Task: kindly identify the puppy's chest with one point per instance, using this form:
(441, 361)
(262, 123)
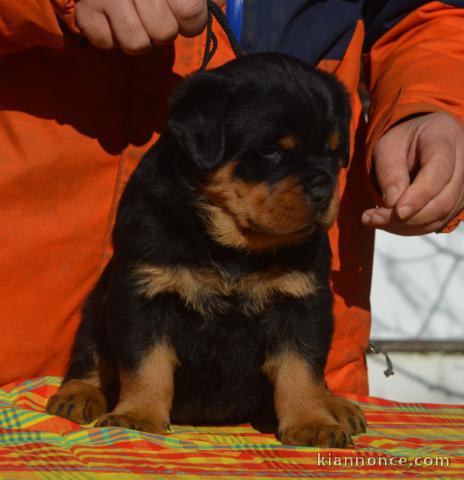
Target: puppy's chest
(209, 291)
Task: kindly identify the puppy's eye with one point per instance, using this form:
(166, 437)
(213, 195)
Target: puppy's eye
(272, 154)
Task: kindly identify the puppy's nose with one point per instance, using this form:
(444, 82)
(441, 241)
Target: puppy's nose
(319, 190)
(319, 195)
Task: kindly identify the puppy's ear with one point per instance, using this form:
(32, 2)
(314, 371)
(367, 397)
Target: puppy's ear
(344, 118)
(339, 106)
(197, 118)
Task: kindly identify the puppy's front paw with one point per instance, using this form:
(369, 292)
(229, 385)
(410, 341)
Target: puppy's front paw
(133, 422)
(316, 435)
(347, 413)
(78, 402)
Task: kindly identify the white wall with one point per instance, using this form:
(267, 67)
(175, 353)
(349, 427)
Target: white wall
(419, 378)
(418, 293)
(418, 286)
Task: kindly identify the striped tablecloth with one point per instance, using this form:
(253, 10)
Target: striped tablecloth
(403, 441)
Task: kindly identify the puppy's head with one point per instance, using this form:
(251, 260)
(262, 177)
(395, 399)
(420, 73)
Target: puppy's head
(268, 135)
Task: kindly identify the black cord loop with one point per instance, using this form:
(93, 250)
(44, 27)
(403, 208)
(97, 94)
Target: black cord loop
(374, 348)
(211, 39)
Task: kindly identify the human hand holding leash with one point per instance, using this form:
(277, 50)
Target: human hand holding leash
(135, 25)
(419, 166)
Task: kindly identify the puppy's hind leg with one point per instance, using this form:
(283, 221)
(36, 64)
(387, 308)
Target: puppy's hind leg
(87, 387)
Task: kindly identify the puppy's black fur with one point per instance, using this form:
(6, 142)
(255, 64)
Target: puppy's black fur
(218, 291)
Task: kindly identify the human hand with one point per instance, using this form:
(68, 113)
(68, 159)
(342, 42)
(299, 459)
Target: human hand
(419, 165)
(134, 25)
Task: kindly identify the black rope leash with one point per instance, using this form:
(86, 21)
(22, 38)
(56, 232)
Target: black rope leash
(211, 39)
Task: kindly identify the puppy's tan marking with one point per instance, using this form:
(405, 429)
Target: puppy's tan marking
(194, 286)
(334, 140)
(146, 395)
(300, 403)
(261, 288)
(330, 215)
(198, 287)
(223, 227)
(288, 142)
(255, 216)
(298, 397)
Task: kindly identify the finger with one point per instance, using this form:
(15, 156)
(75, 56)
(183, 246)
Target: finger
(191, 15)
(128, 28)
(387, 220)
(444, 205)
(95, 26)
(391, 169)
(409, 231)
(367, 215)
(432, 217)
(377, 217)
(437, 160)
(158, 19)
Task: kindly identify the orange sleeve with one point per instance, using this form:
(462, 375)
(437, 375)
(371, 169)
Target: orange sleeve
(29, 23)
(417, 66)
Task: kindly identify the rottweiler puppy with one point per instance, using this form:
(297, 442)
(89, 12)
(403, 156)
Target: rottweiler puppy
(216, 306)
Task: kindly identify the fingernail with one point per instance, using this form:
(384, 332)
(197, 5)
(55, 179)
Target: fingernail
(391, 196)
(377, 218)
(366, 216)
(404, 212)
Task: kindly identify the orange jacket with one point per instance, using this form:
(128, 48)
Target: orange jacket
(74, 122)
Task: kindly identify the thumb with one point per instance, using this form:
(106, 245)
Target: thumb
(391, 167)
